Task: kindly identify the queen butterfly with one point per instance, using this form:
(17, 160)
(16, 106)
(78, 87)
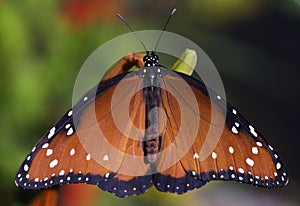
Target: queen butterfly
(154, 93)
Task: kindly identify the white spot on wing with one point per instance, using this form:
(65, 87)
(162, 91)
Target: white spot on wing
(234, 130)
(271, 148)
(26, 167)
(234, 111)
(105, 157)
(53, 163)
(250, 162)
(70, 113)
(49, 152)
(214, 155)
(231, 150)
(254, 150)
(241, 171)
(252, 130)
(62, 172)
(72, 151)
(51, 132)
(33, 149)
(45, 145)
(278, 165)
(196, 156)
(70, 131)
(88, 157)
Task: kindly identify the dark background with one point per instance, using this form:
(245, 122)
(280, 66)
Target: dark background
(254, 45)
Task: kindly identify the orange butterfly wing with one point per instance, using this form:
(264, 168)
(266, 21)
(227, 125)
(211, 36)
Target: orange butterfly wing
(72, 152)
(240, 154)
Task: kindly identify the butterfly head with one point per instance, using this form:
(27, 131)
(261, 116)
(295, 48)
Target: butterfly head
(150, 60)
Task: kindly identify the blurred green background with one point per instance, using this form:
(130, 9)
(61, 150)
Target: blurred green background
(254, 45)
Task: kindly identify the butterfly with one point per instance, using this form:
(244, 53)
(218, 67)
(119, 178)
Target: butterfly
(146, 128)
(241, 153)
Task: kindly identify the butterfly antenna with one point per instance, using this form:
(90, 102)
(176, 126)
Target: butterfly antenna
(164, 28)
(134, 33)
